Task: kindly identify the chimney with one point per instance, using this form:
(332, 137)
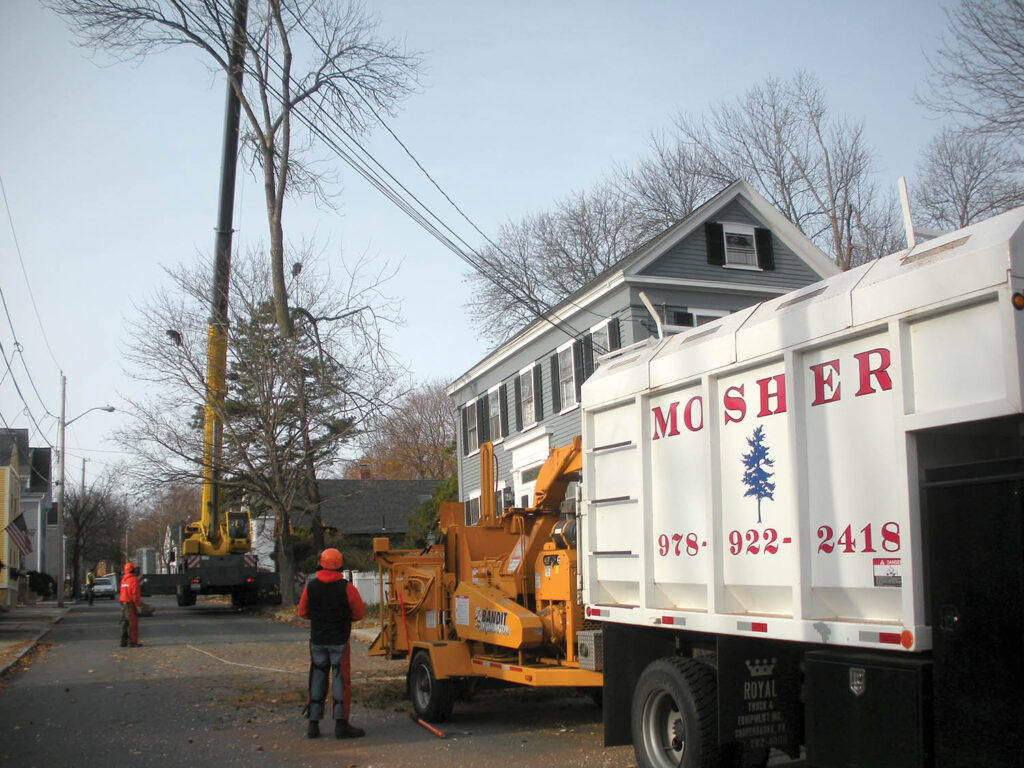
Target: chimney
(364, 471)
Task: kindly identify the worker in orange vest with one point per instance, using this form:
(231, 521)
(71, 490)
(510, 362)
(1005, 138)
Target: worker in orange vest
(131, 600)
(331, 604)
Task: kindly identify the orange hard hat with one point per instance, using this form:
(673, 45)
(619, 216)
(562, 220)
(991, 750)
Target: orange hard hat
(129, 567)
(330, 559)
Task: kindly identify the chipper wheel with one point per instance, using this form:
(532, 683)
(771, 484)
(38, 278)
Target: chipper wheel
(432, 699)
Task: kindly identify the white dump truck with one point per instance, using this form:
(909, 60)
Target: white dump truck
(801, 525)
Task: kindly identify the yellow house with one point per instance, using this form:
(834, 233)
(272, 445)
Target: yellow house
(10, 508)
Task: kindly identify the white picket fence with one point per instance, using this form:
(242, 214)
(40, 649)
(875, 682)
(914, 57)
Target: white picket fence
(368, 584)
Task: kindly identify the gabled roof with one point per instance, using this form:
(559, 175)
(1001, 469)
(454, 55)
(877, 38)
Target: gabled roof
(633, 263)
(366, 507)
(781, 227)
(10, 438)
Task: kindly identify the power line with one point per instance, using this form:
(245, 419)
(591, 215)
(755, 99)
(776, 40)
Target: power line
(468, 254)
(28, 410)
(24, 272)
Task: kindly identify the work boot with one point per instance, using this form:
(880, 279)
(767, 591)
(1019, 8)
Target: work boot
(313, 729)
(342, 730)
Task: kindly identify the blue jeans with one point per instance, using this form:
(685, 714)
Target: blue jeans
(324, 659)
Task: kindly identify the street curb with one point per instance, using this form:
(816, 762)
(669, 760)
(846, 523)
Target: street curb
(29, 645)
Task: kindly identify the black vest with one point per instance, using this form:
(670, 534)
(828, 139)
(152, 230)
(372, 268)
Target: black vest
(330, 618)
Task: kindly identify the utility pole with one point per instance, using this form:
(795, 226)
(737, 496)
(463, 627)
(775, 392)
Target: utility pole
(62, 424)
(60, 495)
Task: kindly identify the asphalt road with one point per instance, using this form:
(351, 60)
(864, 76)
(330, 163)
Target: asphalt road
(214, 687)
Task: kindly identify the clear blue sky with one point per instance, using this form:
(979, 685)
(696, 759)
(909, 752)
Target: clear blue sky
(111, 170)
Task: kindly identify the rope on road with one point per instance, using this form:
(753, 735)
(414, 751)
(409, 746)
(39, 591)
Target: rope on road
(250, 666)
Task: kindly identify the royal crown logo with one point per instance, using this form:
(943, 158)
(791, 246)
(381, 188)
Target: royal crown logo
(761, 667)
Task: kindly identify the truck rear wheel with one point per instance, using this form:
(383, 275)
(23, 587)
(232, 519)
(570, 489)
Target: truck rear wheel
(186, 596)
(432, 699)
(674, 718)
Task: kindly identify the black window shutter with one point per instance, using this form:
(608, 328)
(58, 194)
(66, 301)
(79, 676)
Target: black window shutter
(556, 395)
(588, 355)
(538, 392)
(483, 427)
(765, 249)
(614, 338)
(577, 366)
(715, 236)
(517, 390)
(503, 409)
(465, 430)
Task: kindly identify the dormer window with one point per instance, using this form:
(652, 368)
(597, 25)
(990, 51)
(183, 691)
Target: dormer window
(741, 246)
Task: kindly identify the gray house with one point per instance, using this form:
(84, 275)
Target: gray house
(733, 251)
(34, 466)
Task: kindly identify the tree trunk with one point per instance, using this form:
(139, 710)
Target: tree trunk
(312, 493)
(273, 191)
(284, 318)
(285, 558)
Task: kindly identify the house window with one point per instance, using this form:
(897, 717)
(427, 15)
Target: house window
(566, 382)
(739, 245)
(695, 317)
(601, 340)
(473, 511)
(493, 415)
(470, 432)
(566, 375)
(596, 342)
(525, 410)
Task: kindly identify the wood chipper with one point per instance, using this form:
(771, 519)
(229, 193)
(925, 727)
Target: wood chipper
(498, 599)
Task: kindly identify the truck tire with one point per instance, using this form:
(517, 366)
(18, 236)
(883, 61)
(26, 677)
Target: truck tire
(432, 699)
(186, 597)
(674, 717)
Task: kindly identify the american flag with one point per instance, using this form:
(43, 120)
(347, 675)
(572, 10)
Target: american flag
(18, 532)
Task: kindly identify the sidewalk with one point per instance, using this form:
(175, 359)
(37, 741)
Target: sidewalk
(25, 625)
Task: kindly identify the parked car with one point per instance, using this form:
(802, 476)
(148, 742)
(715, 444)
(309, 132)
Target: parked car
(105, 586)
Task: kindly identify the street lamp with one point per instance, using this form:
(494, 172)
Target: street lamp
(61, 426)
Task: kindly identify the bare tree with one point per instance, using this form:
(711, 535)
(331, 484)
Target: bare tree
(964, 177)
(667, 186)
(167, 506)
(413, 439)
(96, 519)
(880, 231)
(544, 258)
(978, 73)
(780, 137)
(814, 167)
(313, 70)
(291, 402)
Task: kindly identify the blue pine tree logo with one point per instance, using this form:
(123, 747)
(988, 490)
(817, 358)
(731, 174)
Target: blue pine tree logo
(756, 473)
